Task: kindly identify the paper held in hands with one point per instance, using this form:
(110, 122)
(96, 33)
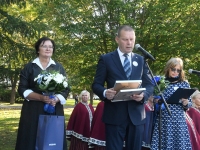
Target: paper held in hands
(126, 88)
(126, 84)
(179, 94)
(124, 95)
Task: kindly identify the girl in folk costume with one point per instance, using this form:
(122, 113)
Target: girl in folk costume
(79, 125)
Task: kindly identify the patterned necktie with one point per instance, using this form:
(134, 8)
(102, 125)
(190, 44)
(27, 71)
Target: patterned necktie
(127, 67)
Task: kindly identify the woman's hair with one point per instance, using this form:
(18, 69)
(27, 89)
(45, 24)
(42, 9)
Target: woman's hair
(194, 95)
(41, 42)
(83, 92)
(172, 63)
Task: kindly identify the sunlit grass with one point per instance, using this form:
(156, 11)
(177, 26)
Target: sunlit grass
(9, 119)
(71, 102)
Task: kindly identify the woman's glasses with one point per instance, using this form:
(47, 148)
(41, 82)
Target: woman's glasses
(175, 70)
(45, 47)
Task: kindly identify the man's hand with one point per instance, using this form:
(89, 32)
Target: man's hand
(110, 93)
(138, 98)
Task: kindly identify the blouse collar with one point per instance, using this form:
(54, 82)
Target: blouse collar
(37, 61)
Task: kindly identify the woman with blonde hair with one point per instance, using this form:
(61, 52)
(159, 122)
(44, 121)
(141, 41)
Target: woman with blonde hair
(196, 100)
(174, 130)
(79, 125)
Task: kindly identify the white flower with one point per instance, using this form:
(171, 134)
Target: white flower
(48, 79)
(51, 82)
(65, 84)
(58, 78)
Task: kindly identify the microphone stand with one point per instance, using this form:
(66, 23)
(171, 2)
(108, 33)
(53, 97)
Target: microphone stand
(160, 103)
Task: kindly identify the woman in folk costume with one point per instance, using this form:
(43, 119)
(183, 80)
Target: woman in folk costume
(194, 135)
(97, 139)
(97, 135)
(149, 109)
(79, 125)
(193, 115)
(194, 111)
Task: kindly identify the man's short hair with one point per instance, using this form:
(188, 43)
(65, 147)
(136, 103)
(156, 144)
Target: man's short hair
(125, 28)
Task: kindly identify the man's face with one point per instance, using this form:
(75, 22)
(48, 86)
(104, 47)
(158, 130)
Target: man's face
(126, 41)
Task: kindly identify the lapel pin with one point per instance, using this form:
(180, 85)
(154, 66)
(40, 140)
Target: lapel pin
(135, 63)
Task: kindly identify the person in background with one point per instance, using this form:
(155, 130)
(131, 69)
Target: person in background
(194, 135)
(76, 99)
(175, 134)
(193, 115)
(34, 100)
(148, 126)
(194, 111)
(123, 120)
(79, 125)
(97, 139)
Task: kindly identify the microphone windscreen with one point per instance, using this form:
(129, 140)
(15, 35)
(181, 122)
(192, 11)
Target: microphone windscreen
(137, 46)
(190, 70)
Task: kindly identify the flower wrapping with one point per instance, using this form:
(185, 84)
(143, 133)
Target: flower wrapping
(50, 83)
(162, 84)
(48, 107)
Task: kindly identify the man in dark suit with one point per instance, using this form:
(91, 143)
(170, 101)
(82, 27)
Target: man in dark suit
(124, 120)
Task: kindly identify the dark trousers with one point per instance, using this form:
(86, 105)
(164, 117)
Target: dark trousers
(117, 134)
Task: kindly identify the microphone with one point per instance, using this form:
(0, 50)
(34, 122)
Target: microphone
(144, 52)
(194, 71)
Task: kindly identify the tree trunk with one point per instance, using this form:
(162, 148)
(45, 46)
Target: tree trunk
(12, 96)
(13, 90)
(91, 97)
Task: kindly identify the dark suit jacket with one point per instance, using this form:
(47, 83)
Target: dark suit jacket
(110, 69)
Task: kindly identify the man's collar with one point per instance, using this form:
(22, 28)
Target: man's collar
(122, 54)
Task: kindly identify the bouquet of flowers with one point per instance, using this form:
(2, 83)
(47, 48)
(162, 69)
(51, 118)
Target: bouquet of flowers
(50, 83)
(162, 84)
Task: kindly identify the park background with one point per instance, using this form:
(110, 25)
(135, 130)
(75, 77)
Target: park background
(85, 29)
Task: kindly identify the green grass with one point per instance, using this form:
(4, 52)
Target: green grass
(9, 119)
(71, 102)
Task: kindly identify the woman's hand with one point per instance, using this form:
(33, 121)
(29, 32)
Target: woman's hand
(184, 101)
(48, 100)
(54, 101)
(45, 99)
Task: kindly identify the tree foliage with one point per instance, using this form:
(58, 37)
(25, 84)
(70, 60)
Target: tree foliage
(84, 30)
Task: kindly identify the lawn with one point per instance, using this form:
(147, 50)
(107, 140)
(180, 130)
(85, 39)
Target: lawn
(9, 119)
